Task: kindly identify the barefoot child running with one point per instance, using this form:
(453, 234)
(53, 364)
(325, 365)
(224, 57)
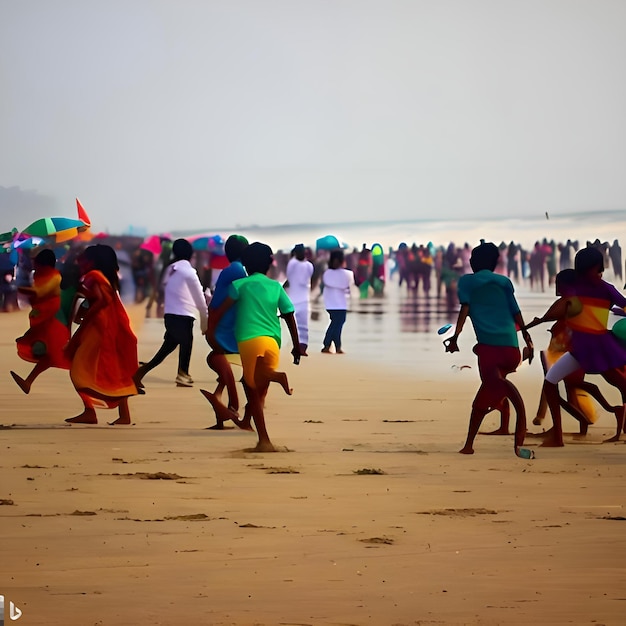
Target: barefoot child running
(578, 391)
(593, 348)
(487, 299)
(226, 343)
(257, 330)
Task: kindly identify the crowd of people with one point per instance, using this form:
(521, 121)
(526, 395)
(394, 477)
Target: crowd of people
(78, 320)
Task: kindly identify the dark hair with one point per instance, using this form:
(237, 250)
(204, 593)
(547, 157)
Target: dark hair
(182, 250)
(298, 251)
(46, 258)
(234, 247)
(257, 258)
(587, 259)
(104, 259)
(484, 257)
(563, 280)
(336, 259)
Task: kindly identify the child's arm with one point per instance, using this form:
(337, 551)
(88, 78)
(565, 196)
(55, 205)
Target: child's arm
(451, 343)
(529, 350)
(557, 311)
(215, 315)
(290, 320)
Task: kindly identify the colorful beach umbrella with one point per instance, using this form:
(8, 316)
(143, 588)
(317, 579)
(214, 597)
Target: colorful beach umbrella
(55, 229)
(29, 243)
(329, 242)
(9, 236)
(212, 243)
(152, 244)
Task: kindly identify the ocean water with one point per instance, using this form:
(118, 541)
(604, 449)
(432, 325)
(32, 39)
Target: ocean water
(399, 330)
(526, 230)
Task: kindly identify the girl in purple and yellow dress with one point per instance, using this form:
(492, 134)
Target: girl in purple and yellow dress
(103, 350)
(593, 348)
(43, 342)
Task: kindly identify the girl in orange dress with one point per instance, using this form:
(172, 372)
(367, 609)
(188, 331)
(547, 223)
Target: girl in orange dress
(103, 350)
(43, 342)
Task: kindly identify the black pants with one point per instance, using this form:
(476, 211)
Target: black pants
(178, 332)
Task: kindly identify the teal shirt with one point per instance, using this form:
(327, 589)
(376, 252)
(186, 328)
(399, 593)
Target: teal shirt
(492, 307)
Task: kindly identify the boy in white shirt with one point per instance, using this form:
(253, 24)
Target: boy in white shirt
(184, 298)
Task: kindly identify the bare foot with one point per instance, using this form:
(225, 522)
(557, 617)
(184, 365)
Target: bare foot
(88, 416)
(138, 375)
(326, 350)
(222, 413)
(553, 441)
(120, 421)
(281, 379)
(542, 435)
(538, 420)
(498, 431)
(245, 423)
(612, 439)
(339, 351)
(265, 446)
(466, 450)
(21, 383)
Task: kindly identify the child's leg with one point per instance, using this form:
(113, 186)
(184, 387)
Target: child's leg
(88, 416)
(124, 414)
(493, 364)
(257, 400)
(565, 366)
(25, 384)
(281, 379)
(476, 419)
(186, 345)
(617, 378)
(222, 413)
(541, 409)
(225, 378)
(520, 415)
(328, 337)
(594, 392)
(543, 403)
(340, 320)
(260, 357)
(505, 414)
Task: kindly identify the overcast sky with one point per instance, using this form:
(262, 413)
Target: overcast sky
(184, 114)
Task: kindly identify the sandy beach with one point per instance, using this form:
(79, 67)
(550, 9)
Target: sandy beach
(368, 515)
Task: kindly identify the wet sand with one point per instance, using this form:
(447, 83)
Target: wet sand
(368, 515)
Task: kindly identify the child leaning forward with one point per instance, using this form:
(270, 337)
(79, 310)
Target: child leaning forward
(488, 300)
(258, 333)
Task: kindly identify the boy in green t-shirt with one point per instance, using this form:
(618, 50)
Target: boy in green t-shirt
(257, 330)
(488, 300)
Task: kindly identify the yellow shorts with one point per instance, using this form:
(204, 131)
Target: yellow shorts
(251, 350)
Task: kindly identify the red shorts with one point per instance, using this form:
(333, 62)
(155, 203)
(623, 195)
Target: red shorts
(494, 363)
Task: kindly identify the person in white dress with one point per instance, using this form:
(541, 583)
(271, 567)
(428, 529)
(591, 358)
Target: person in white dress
(298, 286)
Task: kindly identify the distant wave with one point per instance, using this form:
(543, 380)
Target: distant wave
(525, 230)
